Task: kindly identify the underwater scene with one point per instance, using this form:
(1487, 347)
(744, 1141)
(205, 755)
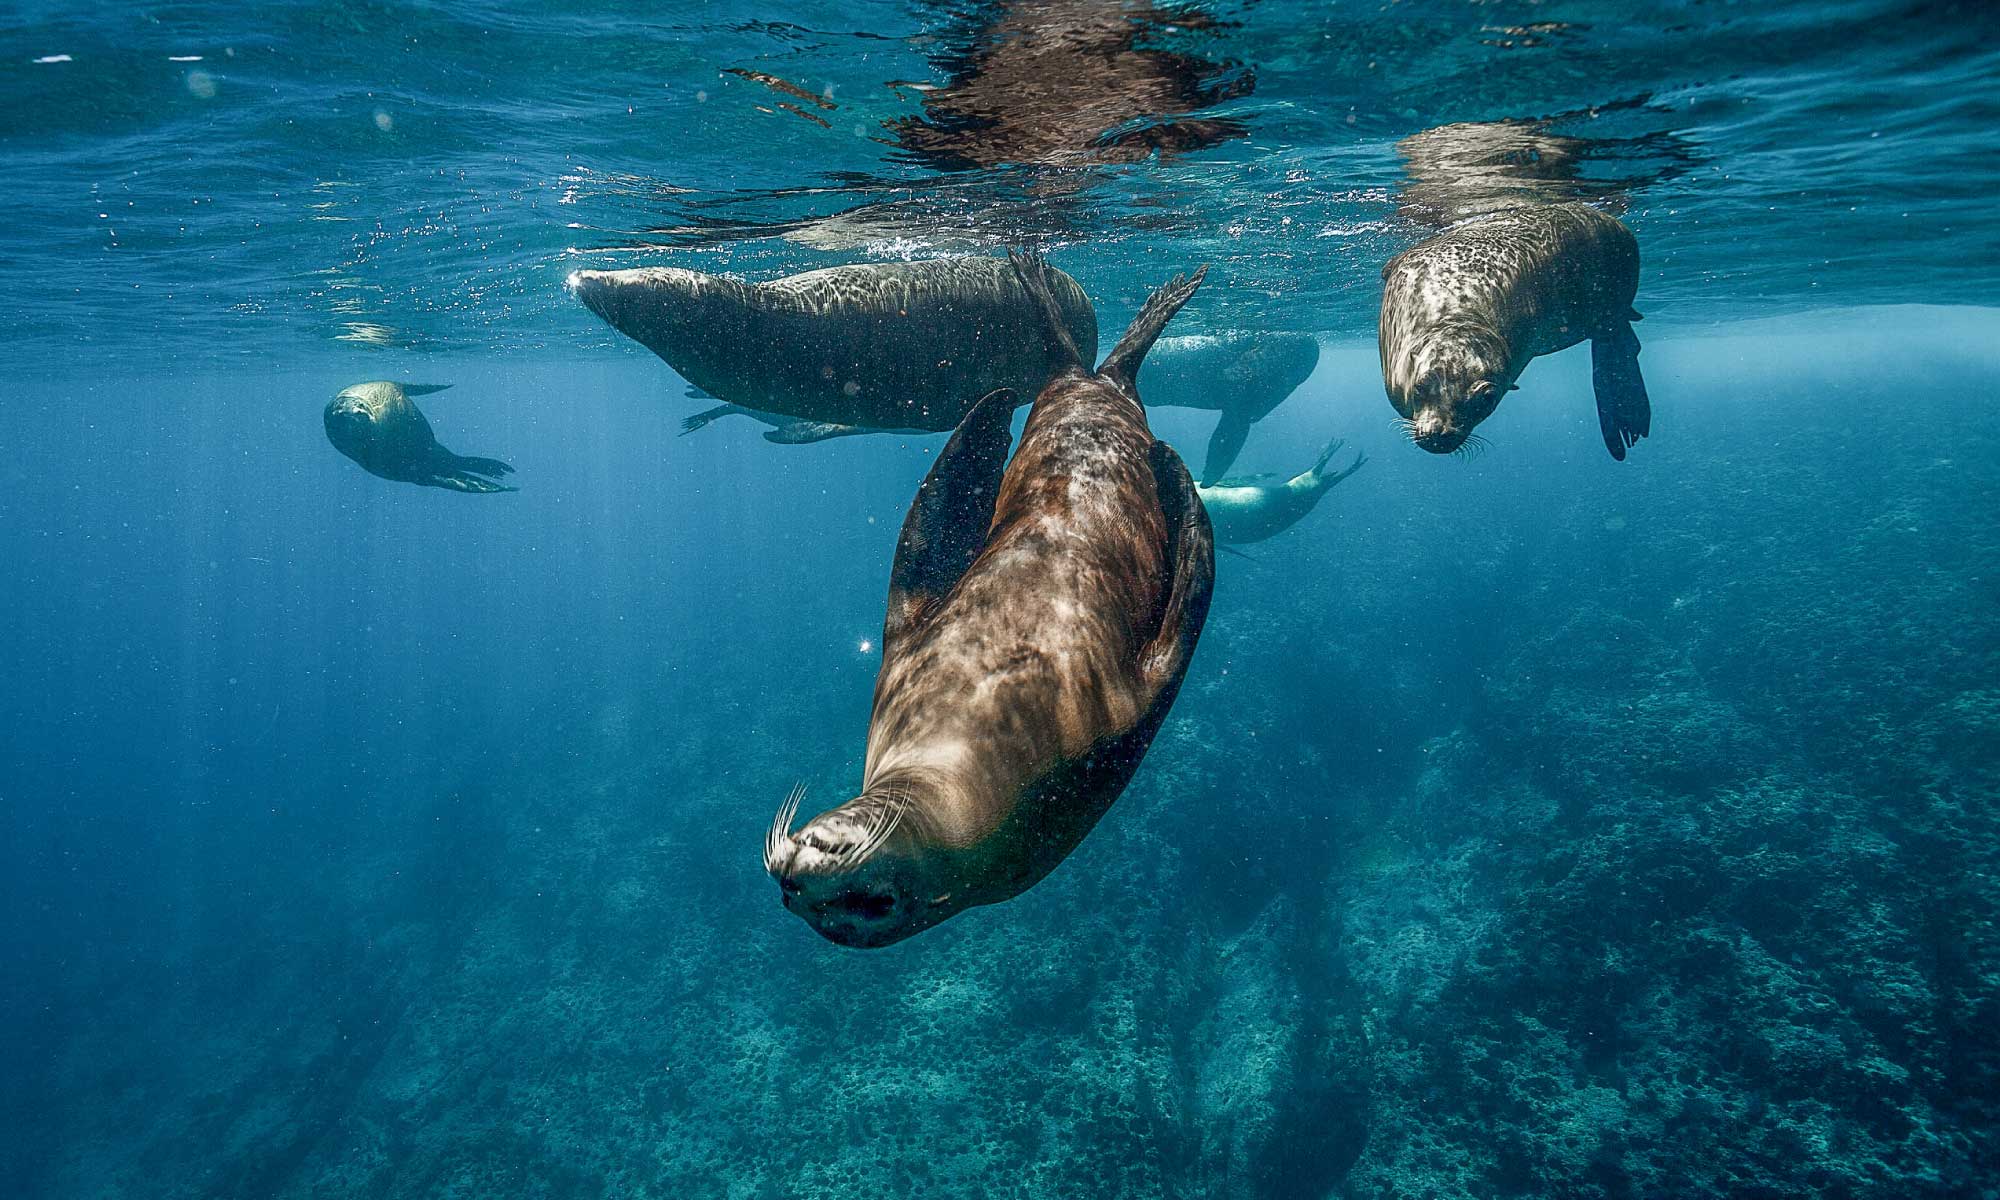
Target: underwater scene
(1027, 598)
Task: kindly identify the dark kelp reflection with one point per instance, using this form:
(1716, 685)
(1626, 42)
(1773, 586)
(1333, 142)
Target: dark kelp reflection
(1069, 82)
(1458, 172)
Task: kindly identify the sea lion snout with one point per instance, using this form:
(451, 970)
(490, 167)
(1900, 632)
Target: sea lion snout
(843, 874)
(1433, 431)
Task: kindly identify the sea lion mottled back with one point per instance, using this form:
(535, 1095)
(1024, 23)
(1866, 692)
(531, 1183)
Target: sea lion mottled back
(908, 345)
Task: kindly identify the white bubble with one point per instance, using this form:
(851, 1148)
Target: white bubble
(201, 84)
(383, 121)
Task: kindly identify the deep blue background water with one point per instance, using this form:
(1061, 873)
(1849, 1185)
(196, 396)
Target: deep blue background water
(1529, 825)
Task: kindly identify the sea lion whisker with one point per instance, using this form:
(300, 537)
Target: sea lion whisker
(781, 827)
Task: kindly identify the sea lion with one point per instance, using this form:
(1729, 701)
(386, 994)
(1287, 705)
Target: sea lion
(1258, 507)
(784, 430)
(376, 425)
(908, 345)
(1243, 376)
(1464, 313)
(1041, 615)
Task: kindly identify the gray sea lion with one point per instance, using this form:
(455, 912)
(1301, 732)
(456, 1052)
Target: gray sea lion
(1041, 617)
(1243, 376)
(1254, 508)
(376, 425)
(1465, 312)
(909, 345)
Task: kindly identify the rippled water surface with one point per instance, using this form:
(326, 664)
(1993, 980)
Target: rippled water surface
(204, 179)
(1528, 824)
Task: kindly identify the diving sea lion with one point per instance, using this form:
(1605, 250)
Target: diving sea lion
(1252, 509)
(376, 425)
(1463, 313)
(1040, 619)
(908, 345)
(1241, 375)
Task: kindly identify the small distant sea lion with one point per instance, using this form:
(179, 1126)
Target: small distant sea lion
(786, 431)
(1258, 507)
(376, 425)
(1243, 376)
(1041, 617)
(1465, 312)
(908, 345)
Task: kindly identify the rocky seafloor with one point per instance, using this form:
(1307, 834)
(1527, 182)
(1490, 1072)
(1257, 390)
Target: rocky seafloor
(1667, 868)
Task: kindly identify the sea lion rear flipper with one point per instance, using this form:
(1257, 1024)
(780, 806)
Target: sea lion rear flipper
(1624, 413)
(460, 482)
(1191, 553)
(702, 418)
(1121, 366)
(1033, 272)
(948, 521)
(1224, 445)
(799, 433)
(422, 389)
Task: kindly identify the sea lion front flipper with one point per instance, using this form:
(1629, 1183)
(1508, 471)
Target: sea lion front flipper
(422, 389)
(1224, 445)
(1191, 553)
(702, 418)
(949, 519)
(800, 433)
(461, 482)
(1624, 413)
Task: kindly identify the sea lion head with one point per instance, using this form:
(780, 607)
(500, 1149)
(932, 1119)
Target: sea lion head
(1459, 376)
(352, 418)
(854, 873)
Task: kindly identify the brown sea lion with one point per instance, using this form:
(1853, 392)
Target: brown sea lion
(1465, 312)
(906, 345)
(376, 425)
(1040, 619)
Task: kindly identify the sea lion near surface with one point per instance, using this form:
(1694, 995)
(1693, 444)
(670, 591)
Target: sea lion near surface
(1243, 376)
(1466, 311)
(376, 425)
(906, 345)
(1252, 509)
(1041, 616)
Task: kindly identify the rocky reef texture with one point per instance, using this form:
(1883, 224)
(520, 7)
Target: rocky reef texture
(1657, 858)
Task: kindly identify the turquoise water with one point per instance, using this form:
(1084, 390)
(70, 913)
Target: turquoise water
(1533, 825)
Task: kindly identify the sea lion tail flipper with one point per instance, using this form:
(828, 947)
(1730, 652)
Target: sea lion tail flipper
(1033, 272)
(1121, 366)
(1224, 445)
(800, 433)
(1624, 413)
(948, 521)
(1326, 455)
(422, 389)
(702, 418)
(1191, 553)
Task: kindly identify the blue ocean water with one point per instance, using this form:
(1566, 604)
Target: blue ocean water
(1529, 825)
